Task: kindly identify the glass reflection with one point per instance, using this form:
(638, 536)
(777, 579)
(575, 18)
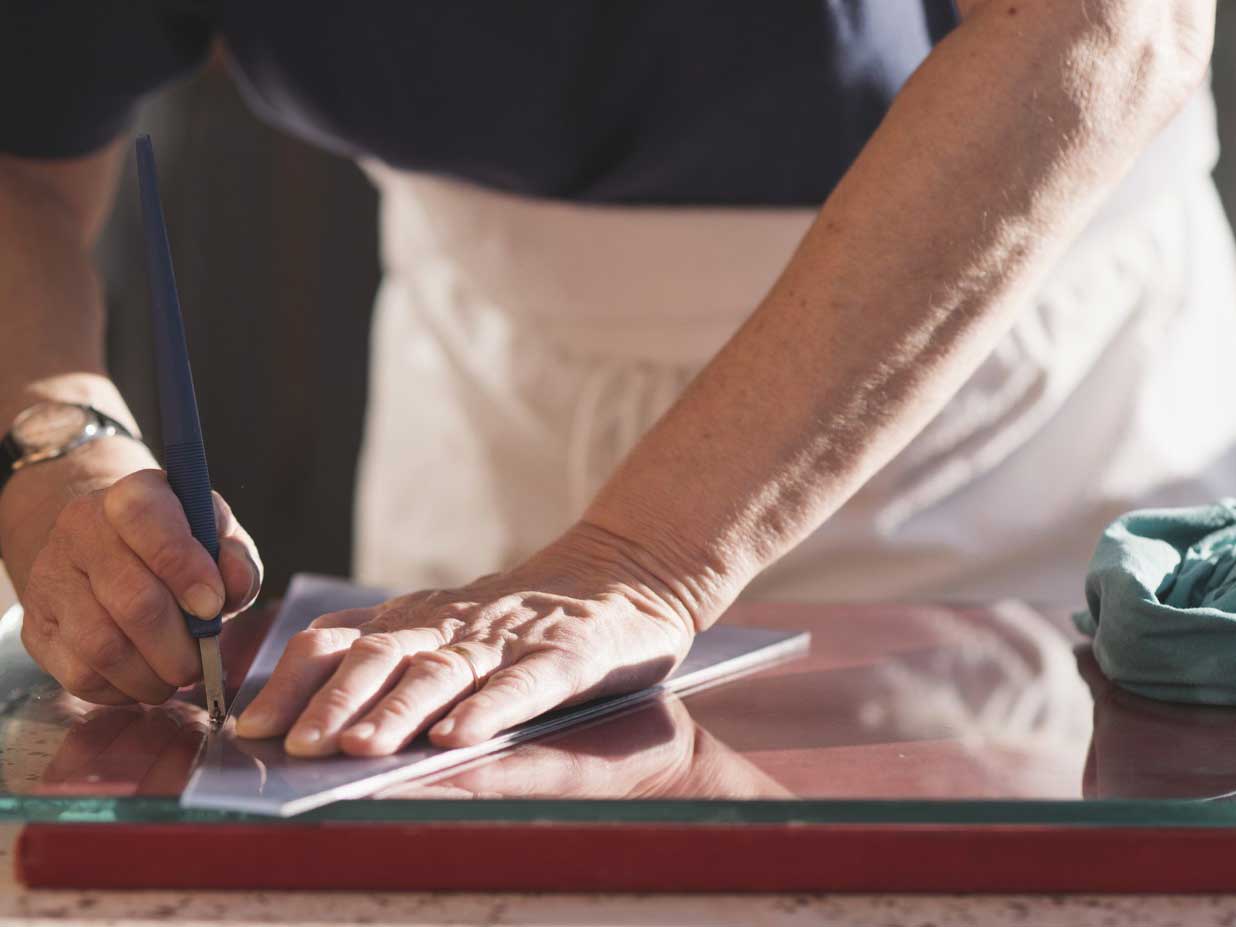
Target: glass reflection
(892, 702)
(64, 746)
(917, 702)
(54, 744)
(1147, 749)
(654, 751)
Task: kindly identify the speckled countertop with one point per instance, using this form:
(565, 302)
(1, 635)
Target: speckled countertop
(119, 909)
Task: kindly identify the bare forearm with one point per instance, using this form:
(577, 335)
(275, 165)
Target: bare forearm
(51, 309)
(51, 326)
(990, 160)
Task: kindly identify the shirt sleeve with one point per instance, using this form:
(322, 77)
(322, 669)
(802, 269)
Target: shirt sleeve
(72, 72)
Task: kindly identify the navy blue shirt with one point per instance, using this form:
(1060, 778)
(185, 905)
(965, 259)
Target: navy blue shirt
(701, 102)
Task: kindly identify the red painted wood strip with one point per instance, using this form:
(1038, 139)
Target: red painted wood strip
(628, 858)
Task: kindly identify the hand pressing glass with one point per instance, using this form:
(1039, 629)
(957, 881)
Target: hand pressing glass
(590, 615)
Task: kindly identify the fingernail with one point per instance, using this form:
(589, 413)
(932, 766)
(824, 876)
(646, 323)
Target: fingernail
(362, 731)
(253, 722)
(444, 727)
(203, 602)
(306, 735)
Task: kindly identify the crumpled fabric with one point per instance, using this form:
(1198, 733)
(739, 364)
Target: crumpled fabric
(1161, 597)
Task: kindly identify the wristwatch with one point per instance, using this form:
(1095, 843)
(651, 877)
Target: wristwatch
(47, 430)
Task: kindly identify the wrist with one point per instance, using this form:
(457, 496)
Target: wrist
(88, 389)
(696, 586)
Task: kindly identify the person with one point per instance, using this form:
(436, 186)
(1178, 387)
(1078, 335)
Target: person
(873, 299)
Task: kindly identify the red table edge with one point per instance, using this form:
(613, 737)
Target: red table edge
(554, 857)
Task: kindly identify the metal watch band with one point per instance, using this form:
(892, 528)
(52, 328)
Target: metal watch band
(11, 451)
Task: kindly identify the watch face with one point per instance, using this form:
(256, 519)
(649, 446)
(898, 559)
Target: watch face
(50, 425)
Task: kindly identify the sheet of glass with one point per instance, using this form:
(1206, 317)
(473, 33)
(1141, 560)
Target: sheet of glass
(898, 713)
(234, 774)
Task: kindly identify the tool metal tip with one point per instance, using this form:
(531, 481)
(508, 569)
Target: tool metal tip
(212, 674)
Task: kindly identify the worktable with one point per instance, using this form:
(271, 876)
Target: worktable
(21, 906)
(904, 723)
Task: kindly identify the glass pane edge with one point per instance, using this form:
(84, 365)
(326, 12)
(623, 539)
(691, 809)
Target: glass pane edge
(1113, 813)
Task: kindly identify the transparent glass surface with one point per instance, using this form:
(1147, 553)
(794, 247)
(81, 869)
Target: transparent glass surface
(897, 714)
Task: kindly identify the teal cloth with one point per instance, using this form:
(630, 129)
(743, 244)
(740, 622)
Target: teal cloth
(1161, 591)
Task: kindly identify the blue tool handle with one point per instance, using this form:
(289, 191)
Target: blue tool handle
(190, 481)
(177, 399)
(184, 455)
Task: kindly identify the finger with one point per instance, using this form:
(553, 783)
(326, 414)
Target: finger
(145, 612)
(433, 681)
(239, 562)
(74, 676)
(518, 693)
(242, 577)
(95, 639)
(310, 658)
(348, 618)
(144, 511)
(371, 666)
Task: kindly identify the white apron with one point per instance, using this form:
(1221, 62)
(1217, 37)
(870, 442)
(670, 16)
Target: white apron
(521, 347)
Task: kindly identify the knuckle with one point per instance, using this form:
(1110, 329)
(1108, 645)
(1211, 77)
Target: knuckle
(518, 681)
(303, 643)
(399, 704)
(81, 681)
(107, 650)
(449, 629)
(437, 665)
(52, 565)
(170, 558)
(130, 500)
(453, 611)
(310, 642)
(511, 602)
(142, 604)
(378, 646)
(37, 625)
(334, 700)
